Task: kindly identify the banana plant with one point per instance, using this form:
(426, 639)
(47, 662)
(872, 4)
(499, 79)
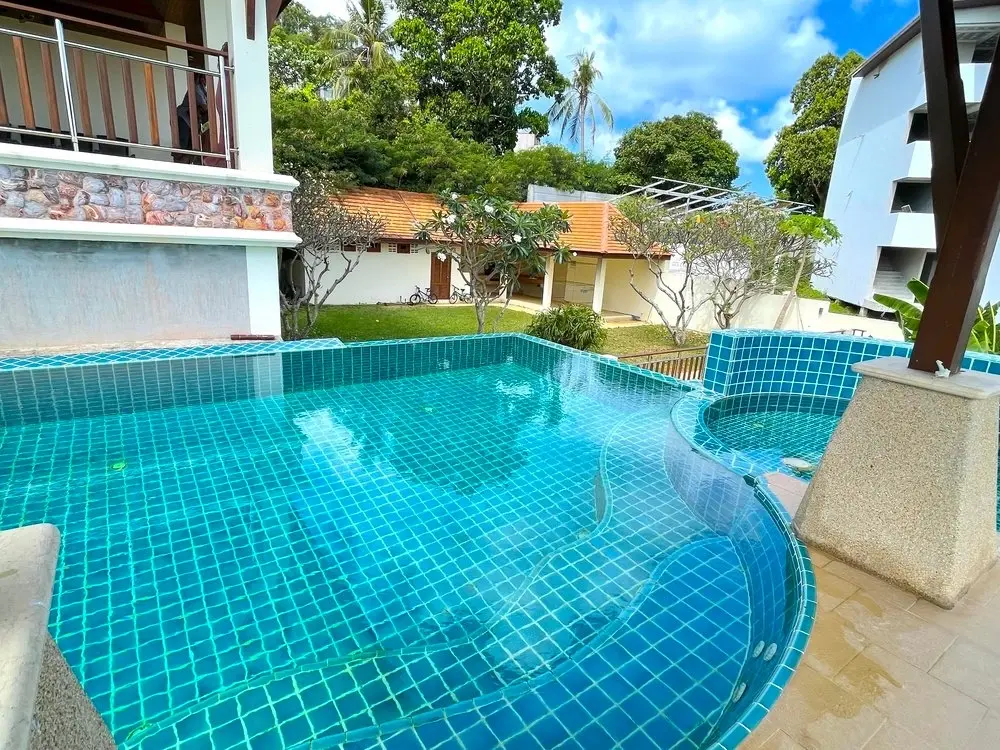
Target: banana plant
(907, 313)
(985, 335)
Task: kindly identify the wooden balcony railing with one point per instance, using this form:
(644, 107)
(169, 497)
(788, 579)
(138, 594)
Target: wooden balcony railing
(683, 364)
(85, 97)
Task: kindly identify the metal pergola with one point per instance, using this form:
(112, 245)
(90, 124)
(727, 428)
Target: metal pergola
(687, 197)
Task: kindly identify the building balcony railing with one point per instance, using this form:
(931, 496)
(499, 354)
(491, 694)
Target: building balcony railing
(67, 82)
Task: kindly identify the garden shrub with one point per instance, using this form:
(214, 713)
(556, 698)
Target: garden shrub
(570, 325)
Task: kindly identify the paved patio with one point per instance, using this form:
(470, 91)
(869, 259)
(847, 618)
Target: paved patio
(885, 670)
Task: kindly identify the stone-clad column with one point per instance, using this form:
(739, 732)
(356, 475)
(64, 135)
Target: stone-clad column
(907, 487)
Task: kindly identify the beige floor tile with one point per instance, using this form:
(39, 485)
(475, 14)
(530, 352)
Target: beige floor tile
(820, 715)
(894, 737)
(971, 670)
(987, 734)
(831, 590)
(919, 642)
(763, 733)
(833, 644)
(881, 590)
(819, 559)
(929, 708)
(979, 623)
(781, 741)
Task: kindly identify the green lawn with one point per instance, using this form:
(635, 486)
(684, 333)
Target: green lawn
(374, 322)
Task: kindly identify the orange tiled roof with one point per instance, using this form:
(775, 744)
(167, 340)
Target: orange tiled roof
(590, 230)
(399, 209)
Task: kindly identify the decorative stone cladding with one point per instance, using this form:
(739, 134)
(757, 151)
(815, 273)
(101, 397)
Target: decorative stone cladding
(32, 193)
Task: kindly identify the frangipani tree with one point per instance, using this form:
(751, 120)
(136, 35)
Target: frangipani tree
(651, 232)
(491, 242)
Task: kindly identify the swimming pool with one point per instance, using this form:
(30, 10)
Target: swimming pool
(450, 542)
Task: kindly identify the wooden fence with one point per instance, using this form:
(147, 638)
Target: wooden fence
(683, 364)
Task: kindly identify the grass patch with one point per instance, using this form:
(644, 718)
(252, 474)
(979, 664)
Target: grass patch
(352, 323)
(842, 308)
(623, 342)
(378, 322)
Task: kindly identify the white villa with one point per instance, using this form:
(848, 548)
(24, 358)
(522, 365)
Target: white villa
(880, 193)
(121, 222)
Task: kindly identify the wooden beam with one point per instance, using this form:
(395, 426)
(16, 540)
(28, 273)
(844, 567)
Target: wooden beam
(946, 113)
(251, 19)
(966, 249)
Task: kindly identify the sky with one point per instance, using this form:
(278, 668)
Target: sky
(736, 60)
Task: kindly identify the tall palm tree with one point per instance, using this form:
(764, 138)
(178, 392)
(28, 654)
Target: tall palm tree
(576, 107)
(362, 40)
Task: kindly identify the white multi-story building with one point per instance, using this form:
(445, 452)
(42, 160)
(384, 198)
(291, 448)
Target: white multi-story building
(880, 192)
(138, 199)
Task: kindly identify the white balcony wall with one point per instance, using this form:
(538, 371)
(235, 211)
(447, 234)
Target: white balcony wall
(33, 55)
(912, 230)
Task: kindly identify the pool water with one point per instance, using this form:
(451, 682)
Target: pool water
(479, 555)
(768, 428)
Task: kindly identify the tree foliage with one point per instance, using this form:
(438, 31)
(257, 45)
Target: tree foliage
(555, 166)
(801, 162)
(683, 147)
(477, 61)
(579, 105)
(492, 242)
(362, 42)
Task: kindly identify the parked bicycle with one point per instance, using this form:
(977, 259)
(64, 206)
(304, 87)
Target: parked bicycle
(459, 295)
(423, 295)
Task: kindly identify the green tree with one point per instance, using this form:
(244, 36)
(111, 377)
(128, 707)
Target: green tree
(425, 157)
(492, 242)
(575, 107)
(363, 41)
(384, 97)
(801, 162)
(550, 165)
(313, 136)
(296, 19)
(297, 61)
(477, 61)
(683, 147)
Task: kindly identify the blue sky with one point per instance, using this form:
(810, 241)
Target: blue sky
(737, 60)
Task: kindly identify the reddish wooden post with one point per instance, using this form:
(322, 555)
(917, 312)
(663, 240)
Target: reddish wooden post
(966, 196)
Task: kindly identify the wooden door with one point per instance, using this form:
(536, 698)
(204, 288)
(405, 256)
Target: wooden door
(440, 277)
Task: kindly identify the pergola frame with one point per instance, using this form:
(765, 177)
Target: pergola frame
(965, 184)
(687, 197)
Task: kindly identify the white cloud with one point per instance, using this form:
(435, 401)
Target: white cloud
(336, 8)
(655, 51)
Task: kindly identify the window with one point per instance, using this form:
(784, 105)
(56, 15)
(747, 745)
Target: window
(375, 247)
(919, 128)
(350, 249)
(390, 247)
(983, 53)
(912, 198)
(403, 249)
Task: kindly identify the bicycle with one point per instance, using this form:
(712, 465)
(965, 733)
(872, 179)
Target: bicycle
(459, 295)
(423, 295)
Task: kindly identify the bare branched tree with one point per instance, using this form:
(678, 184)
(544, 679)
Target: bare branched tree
(334, 241)
(651, 233)
(749, 249)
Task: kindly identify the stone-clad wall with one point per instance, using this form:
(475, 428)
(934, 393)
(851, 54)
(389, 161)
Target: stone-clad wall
(81, 196)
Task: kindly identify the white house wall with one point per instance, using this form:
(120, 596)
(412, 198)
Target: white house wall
(384, 277)
(873, 154)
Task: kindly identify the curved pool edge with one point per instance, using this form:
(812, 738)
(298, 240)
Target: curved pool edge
(688, 418)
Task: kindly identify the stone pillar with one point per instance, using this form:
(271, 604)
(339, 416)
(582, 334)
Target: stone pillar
(907, 487)
(599, 277)
(548, 282)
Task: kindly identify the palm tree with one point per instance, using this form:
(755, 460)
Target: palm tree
(575, 108)
(362, 40)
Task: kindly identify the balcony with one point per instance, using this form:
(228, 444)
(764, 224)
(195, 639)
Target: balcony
(89, 86)
(913, 230)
